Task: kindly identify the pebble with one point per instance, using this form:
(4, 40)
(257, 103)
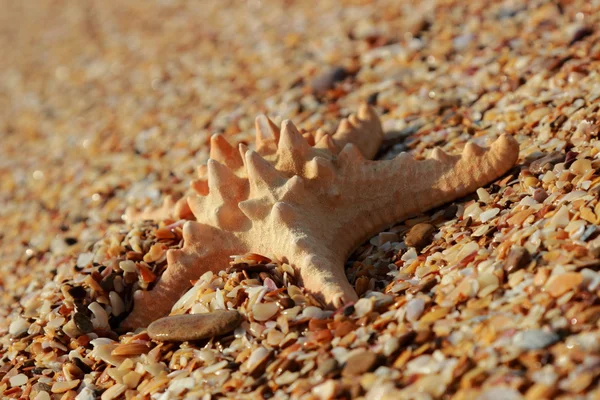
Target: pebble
(570, 158)
(180, 328)
(419, 235)
(540, 195)
(359, 363)
(546, 163)
(285, 303)
(531, 181)
(558, 285)
(518, 258)
(326, 80)
(83, 322)
(534, 339)
(450, 212)
(77, 292)
(581, 166)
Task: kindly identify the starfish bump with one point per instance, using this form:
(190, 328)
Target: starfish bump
(312, 205)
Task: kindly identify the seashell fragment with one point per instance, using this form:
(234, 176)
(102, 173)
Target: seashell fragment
(180, 328)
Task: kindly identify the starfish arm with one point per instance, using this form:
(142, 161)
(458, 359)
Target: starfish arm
(325, 277)
(206, 249)
(403, 187)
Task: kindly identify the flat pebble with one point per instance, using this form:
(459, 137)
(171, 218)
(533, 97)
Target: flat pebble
(180, 328)
(419, 235)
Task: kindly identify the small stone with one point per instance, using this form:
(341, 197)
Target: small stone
(180, 328)
(359, 363)
(589, 231)
(450, 212)
(83, 322)
(534, 339)
(41, 387)
(570, 158)
(406, 338)
(558, 285)
(285, 303)
(77, 292)
(581, 166)
(419, 235)
(546, 163)
(326, 80)
(540, 195)
(518, 258)
(348, 310)
(531, 181)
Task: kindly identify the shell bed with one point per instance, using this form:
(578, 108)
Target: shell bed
(108, 108)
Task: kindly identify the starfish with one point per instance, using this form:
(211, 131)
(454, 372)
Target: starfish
(311, 205)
